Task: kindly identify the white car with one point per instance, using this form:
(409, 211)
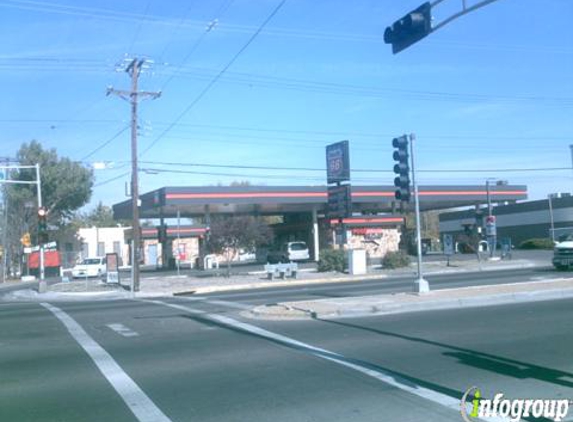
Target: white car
(290, 251)
(563, 253)
(90, 267)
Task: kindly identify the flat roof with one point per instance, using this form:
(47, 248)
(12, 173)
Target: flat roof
(276, 200)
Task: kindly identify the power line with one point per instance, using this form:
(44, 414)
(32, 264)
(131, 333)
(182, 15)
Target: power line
(349, 133)
(106, 143)
(109, 14)
(138, 30)
(113, 179)
(199, 40)
(153, 170)
(246, 167)
(370, 91)
(218, 76)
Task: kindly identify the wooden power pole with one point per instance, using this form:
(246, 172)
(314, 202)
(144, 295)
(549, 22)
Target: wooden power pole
(133, 96)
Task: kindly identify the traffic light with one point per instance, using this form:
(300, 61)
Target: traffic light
(402, 169)
(42, 225)
(409, 29)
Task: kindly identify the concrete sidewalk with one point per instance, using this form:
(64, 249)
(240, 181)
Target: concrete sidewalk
(475, 296)
(170, 285)
(166, 285)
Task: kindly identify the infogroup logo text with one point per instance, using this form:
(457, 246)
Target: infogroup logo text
(513, 409)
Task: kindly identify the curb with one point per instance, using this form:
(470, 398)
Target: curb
(475, 302)
(290, 311)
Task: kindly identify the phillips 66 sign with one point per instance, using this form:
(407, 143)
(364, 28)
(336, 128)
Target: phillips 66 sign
(337, 162)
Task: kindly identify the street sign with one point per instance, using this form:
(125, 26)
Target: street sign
(448, 244)
(490, 226)
(112, 268)
(337, 162)
(339, 201)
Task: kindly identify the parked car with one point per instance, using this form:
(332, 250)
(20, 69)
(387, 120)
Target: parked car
(90, 267)
(246, 255)
(290, 251)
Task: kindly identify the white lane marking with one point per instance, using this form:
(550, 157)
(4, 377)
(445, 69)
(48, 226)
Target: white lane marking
(123, 330)
(379, 374)
(133, 396)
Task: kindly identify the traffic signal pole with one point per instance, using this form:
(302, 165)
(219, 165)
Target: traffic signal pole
(38, 183)
(421, 286)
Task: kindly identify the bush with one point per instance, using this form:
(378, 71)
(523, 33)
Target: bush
(537, 243)
(395, 260)
(332, 260)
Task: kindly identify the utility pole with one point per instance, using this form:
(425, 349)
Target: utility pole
(133, 96)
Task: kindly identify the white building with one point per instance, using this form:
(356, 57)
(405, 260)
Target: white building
(98, 241)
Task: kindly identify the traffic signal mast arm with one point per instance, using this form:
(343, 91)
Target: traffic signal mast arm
(417, 24)
(465, 10)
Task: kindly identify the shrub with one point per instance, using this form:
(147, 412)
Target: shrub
(395, 260)
(537, 243)
(332, 260)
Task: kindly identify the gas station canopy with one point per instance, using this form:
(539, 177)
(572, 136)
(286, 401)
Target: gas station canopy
(166, 202)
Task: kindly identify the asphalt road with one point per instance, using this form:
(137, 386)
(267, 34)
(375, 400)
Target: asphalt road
(197, 359)
(403, 283)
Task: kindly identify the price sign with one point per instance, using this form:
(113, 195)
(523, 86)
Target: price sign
(339, 201)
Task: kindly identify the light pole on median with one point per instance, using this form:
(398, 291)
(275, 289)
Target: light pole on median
(421, 285)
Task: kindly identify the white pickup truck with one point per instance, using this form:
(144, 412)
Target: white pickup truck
(563, 253)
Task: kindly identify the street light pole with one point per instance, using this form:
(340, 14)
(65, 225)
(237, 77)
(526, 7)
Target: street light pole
(551, 219)
(421, 286)
(41, 287)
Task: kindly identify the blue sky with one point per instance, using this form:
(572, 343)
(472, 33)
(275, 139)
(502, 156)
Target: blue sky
(491, 91)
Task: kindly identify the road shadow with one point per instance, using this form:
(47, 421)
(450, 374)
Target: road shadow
(398, 377)
(486, 361)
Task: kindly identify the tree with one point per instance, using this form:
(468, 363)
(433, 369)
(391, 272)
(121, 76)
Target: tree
(229, 234)
(66, 187)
